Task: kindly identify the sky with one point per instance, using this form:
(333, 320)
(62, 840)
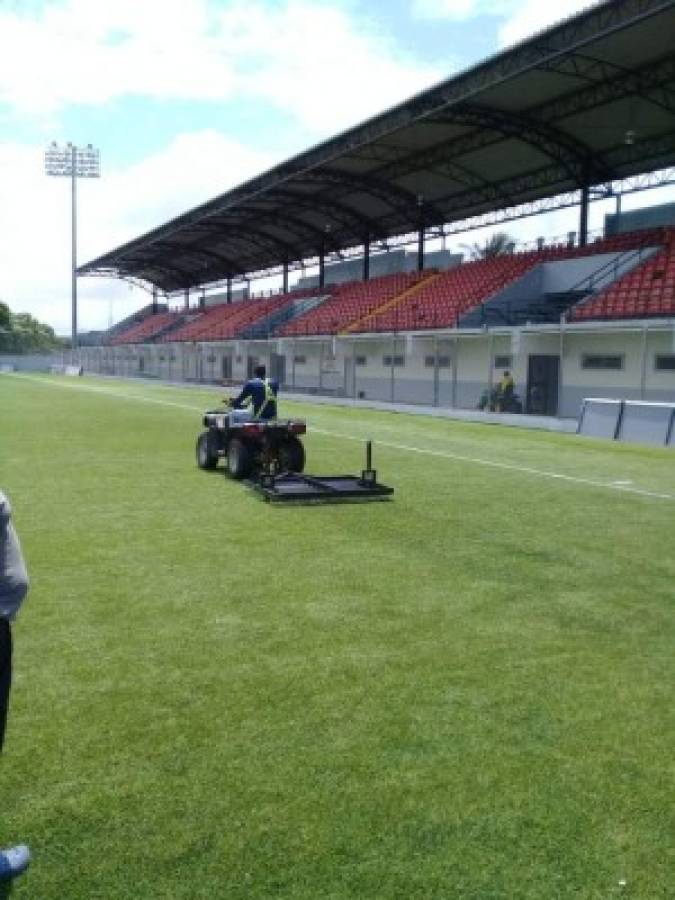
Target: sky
(186, 99)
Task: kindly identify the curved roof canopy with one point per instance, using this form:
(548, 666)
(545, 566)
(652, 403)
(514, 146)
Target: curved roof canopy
(587, 102)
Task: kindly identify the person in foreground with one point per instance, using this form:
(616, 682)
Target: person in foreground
(13, 589)
(261, 392)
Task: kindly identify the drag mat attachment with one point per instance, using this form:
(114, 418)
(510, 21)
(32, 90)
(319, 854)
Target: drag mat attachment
(302, 488)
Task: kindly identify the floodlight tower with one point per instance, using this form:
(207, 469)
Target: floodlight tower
(73, 162)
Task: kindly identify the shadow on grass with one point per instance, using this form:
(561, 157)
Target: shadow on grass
(5, 889)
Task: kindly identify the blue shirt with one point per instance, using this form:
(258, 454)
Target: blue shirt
(256, 390)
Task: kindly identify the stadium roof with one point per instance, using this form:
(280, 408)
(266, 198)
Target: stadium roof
(587, 102)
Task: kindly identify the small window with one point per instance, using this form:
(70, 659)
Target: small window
(299, 360)
(360, 361)
(665, 362)
(503, 362)
(595, 361)
(388, 361)
(443, 362)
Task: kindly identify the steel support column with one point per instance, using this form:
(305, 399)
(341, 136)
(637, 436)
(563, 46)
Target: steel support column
(366, 258)
(355, 392)
(154, 298)
(583, 215)
(187, 298)
(455, 354)
(392, 388)
(490, 373)
(643, 363)
(322, 266)
(420, 236)
(561, 365)
(229, 289)
(284, 282)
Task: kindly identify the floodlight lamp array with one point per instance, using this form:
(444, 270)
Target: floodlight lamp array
(69, 160)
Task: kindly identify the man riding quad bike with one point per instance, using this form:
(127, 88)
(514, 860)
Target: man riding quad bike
(253, 441)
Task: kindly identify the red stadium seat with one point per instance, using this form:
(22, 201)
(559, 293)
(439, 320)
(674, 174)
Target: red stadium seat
(147, 330)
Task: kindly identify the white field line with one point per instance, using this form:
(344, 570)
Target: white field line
(621, 487)
(120, 395)
(476, 460)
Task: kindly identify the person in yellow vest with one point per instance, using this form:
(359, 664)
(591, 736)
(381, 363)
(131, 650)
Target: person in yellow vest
(261, 392)
(506, 391)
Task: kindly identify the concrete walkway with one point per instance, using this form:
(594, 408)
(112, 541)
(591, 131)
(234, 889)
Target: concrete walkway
(545, 423)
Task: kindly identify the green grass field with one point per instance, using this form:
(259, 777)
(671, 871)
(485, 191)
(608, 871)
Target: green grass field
(466, 692)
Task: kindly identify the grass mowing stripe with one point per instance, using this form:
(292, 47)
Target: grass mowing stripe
(440, 454)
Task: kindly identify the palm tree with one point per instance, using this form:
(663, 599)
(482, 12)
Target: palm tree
(497, 244)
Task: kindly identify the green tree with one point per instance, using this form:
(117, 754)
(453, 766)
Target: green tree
(21, 333)
(5, 317)
(497, 244)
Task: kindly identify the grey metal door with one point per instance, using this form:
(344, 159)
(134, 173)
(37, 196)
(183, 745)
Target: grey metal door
(542, 385)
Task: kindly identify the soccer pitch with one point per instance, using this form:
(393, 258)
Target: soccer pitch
(466, 692)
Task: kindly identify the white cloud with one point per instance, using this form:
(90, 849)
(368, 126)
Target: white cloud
(461, 10)
(87, 53)
(531, 16)
(35, 253)
(309, 59)
(522, 18)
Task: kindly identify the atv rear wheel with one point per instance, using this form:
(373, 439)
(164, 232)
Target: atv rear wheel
(291, 455)
(205, 458)
(239, 458)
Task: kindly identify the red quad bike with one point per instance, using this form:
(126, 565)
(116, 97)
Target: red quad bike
(251, 447)
(269, 456)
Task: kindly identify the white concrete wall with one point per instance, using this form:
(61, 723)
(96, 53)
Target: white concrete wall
(637, 380)
(471, 364)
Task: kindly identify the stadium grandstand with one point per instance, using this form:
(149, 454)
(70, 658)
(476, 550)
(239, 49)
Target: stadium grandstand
(379, 309)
